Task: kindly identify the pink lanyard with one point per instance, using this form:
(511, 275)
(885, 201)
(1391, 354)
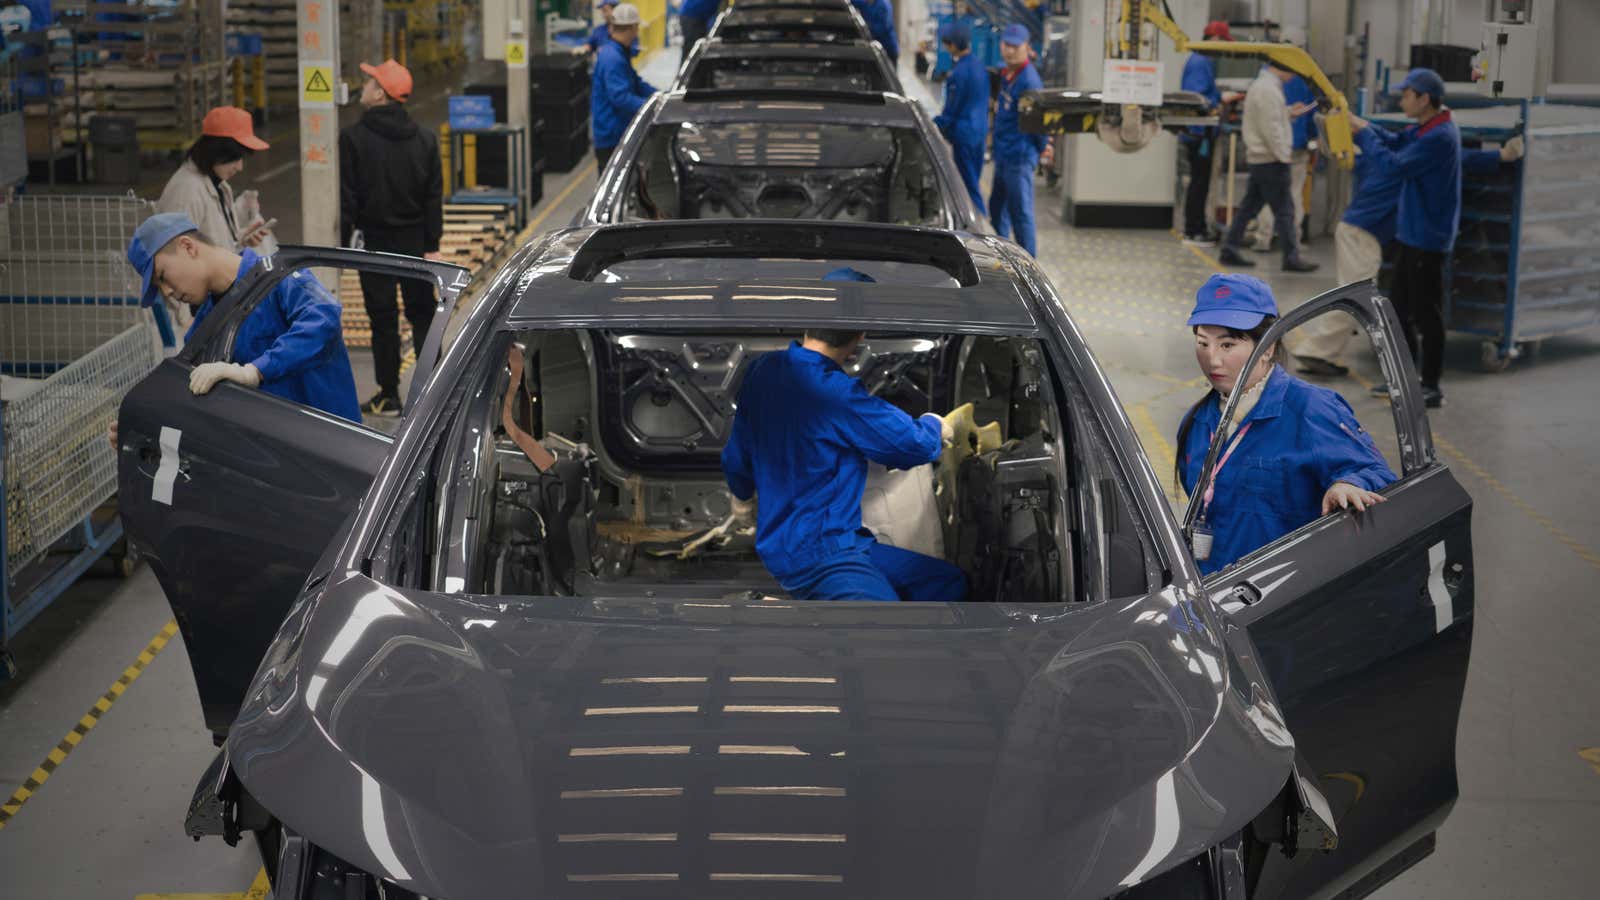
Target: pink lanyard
(1211, 489)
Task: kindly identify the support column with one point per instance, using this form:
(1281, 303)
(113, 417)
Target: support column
(321, 90)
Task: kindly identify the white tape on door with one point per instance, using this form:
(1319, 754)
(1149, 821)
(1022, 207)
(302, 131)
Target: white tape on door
(167, 472)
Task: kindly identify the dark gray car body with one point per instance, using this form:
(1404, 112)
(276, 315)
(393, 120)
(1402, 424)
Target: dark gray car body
(861, 57)
(446, 742)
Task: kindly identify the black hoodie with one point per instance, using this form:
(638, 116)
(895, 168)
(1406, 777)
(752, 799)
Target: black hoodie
(391, 185)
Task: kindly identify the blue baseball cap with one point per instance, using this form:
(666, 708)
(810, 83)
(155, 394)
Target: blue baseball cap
(1235, 301)
(609, 2)
(1425, 81)
(848, 274)
(153, 234)
(956, 33)
(1015, 35)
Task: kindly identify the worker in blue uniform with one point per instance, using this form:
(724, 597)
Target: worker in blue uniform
(290, 345)
(802, 437)
(1427, 157)
(965, 120)
(1294, 451)
(880, 22)
(694, 20)
(617, 92)
(602, 32)
(1199, 142)
(1016, 155)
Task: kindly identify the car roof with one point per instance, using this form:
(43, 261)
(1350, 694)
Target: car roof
(717, 48)
(569, 280)
(840, 20)
(783, 105)
(794, 4)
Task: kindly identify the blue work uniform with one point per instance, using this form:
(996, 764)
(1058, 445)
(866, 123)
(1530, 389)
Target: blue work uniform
(1427, 158)
(965, 120)
(1375, 201)
(1016, 155)
(1302, 439)
(617, 94)
(1200, 76)
(802, 437)
(880, 22)
(600, 35)
(294, 339)
(1295, 90)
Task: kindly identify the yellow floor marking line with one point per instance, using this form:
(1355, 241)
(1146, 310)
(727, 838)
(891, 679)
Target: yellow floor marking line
(1163, 455)
(1210, 262)
(556, 201)
(56, 756)
(259, 889)
(86, 724)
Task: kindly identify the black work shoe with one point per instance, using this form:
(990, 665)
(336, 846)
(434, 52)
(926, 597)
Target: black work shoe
(1299, 265)
(383, 403)
(1432, 396)
(1231, 257)
(1316, 365)
(1380, 390)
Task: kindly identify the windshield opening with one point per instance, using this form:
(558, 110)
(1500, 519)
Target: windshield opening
(818, 171)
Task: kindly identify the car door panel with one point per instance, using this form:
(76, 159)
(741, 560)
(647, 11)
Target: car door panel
(1363, 623)
(233, 496)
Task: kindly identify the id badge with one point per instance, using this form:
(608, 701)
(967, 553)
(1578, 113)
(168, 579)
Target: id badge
(1200, 540)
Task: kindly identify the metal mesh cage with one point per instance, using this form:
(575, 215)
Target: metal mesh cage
(73, 340)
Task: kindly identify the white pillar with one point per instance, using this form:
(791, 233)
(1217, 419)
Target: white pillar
(321, 90)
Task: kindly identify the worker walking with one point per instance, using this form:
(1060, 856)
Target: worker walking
(965, 119)
(1269, 149)
(1016, 155)
(1427, 159)
(802, 436)
(617, 92)
(879, 15)
(290, 345)
(694, 20)
(1302, 102)
(391, 190)
(1199, 142)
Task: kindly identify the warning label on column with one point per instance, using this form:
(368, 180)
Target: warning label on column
(316, 86)
(516, 54)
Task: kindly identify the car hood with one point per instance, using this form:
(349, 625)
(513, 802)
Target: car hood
(470, 747)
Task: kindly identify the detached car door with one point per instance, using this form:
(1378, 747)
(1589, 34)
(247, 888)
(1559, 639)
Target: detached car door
(1363, 622)
(233, 496)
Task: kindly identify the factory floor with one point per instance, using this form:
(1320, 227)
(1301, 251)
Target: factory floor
(106, 824)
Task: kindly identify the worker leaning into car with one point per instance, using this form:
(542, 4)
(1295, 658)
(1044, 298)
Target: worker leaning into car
(803, 434)
(617, 92)
(1294, 451)
(1016, 155)
(879, 15)
(965, 119)
(290, 345)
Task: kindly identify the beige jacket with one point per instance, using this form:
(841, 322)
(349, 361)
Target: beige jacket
(193, 192)
(1268, 136)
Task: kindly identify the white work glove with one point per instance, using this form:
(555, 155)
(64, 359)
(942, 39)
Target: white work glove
(205, 376)
(1512, 150)
(947, 431)
(743, 510)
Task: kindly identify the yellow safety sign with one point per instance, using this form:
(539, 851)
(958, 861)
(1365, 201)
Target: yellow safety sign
(516, 54)
(316, 85)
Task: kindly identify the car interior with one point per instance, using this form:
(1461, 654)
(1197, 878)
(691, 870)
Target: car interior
(778, 170)
(768, 70)
(595, 471)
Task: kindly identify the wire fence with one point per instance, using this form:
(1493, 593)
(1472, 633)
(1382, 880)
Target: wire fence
(73, 341)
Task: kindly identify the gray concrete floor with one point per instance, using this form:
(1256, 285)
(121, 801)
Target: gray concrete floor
(108, 823)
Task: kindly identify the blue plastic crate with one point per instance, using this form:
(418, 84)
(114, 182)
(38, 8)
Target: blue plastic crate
(239, 44)
(471, 111)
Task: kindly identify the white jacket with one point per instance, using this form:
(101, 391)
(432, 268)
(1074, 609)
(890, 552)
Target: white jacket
(1268, 136)
(194, 192)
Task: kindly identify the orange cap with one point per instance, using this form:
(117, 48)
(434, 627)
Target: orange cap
(232, 122)
(394, 78)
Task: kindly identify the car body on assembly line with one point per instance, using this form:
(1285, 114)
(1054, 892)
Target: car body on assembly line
(517, 650)
(715, 64)
(780, 152)
(788, 23)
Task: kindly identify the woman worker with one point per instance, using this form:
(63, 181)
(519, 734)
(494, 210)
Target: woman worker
(200, 190)
(1294, 451)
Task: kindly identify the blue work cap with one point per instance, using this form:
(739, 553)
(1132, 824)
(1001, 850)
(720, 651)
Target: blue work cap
(153, 234)
(848, 274)
(956, 33)
(609, 2)
(1015, 35)
(1234, 301)
(1425, 81)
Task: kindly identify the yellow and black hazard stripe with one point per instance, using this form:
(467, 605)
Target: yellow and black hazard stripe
(86, 724)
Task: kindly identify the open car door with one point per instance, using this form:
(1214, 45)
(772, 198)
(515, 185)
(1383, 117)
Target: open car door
(1363, 622)
(233, 496)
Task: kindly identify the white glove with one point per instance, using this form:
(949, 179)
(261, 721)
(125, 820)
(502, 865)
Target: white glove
(206, 376)
(947, 431)
(1512, 150)
(743, 510)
